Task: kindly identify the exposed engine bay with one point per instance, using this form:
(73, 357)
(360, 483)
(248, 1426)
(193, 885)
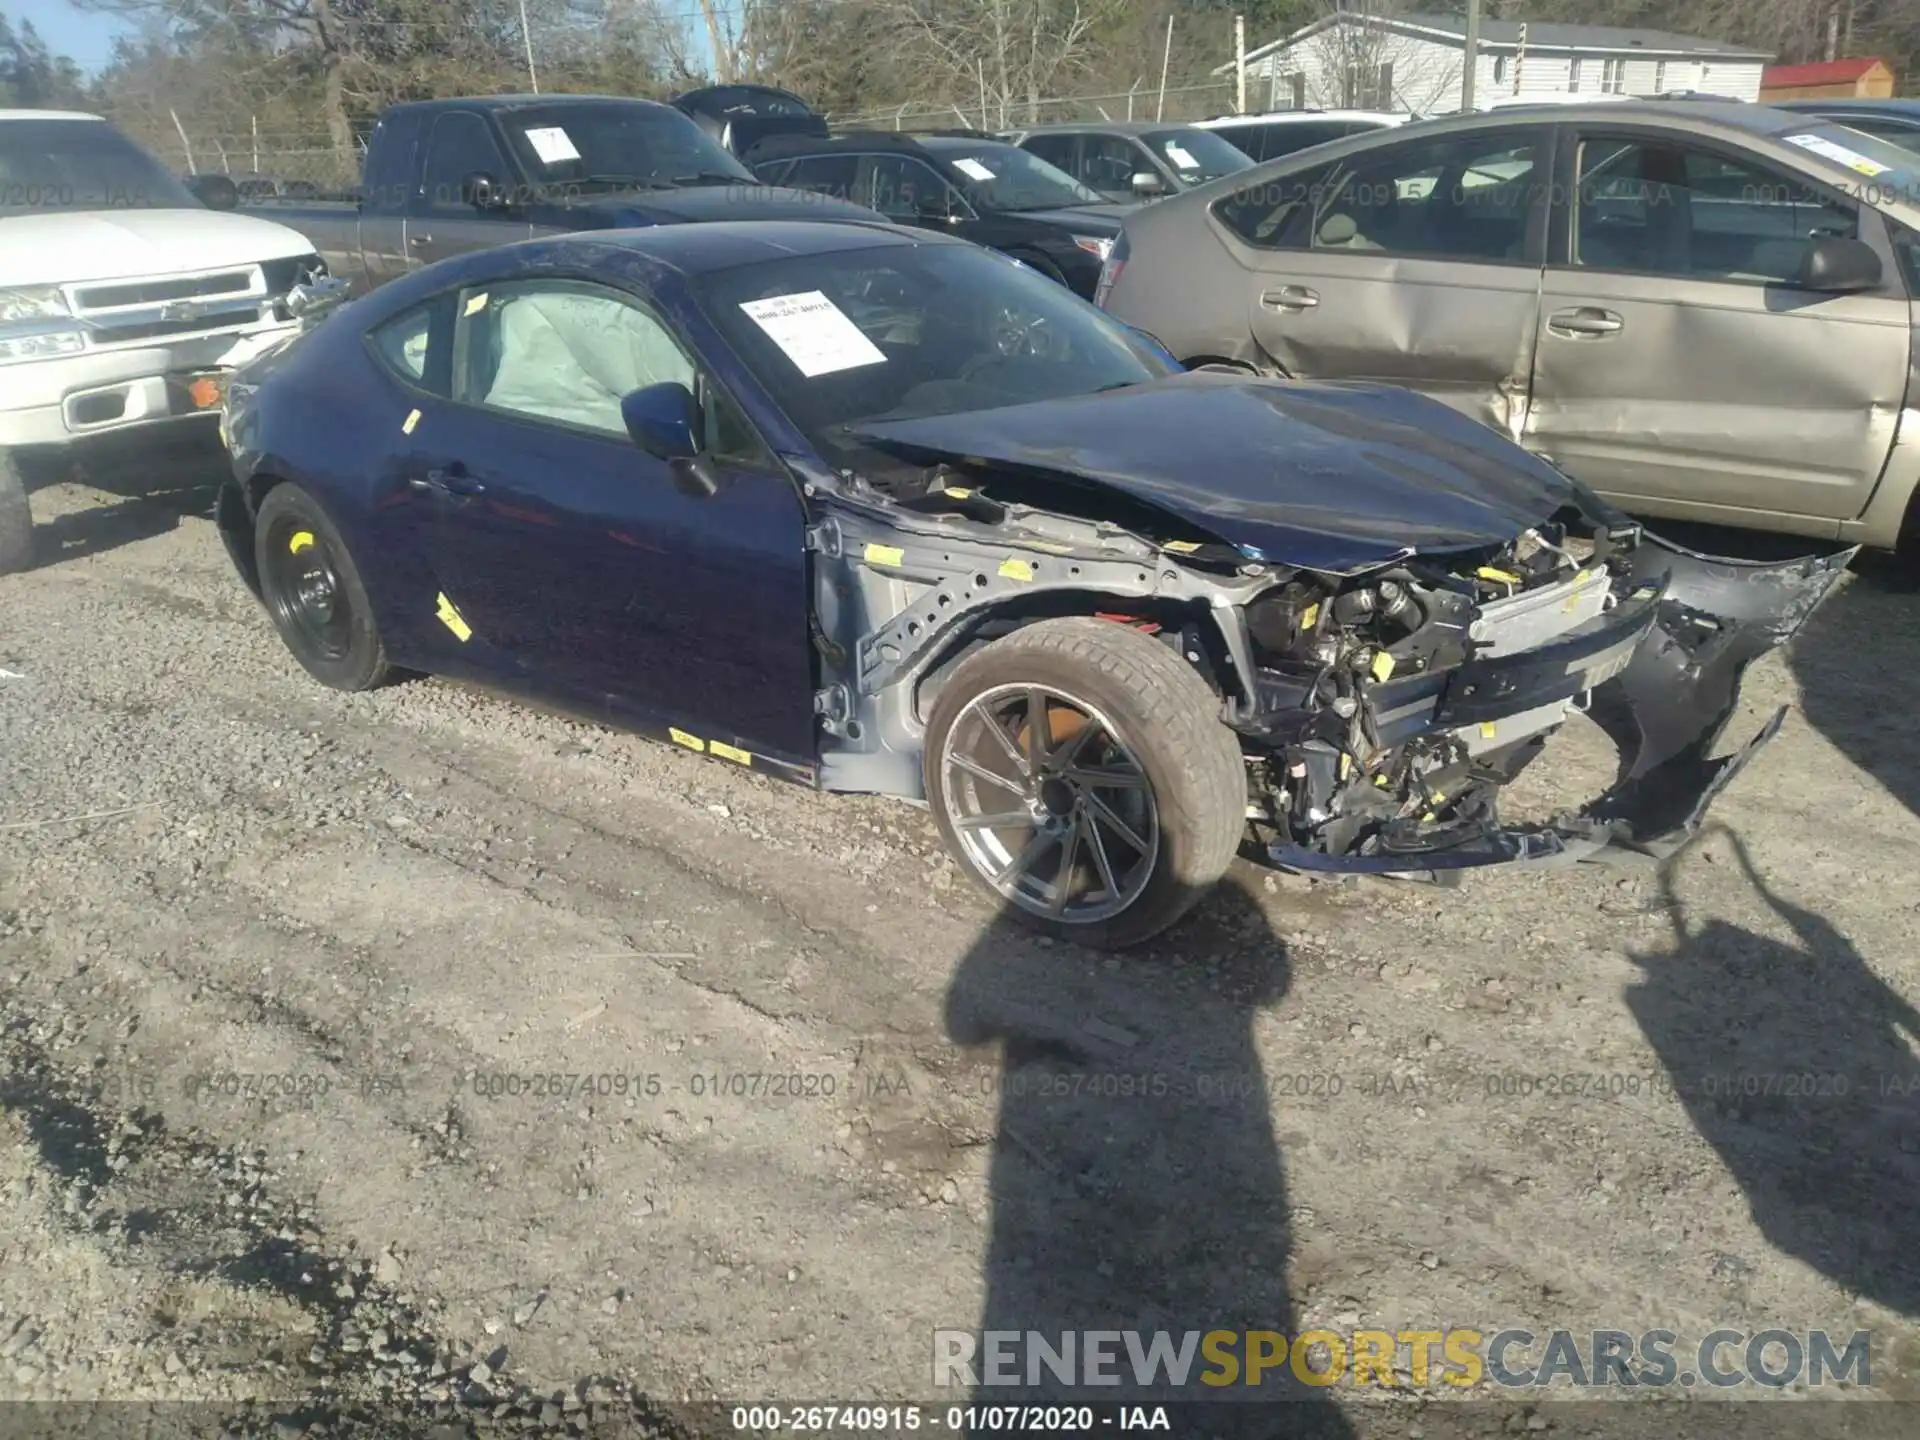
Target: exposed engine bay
(1384, 689)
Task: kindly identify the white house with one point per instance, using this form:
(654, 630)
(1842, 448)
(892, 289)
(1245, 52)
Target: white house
(1358, 60)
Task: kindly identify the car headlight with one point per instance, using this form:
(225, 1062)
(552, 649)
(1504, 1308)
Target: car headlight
(35, 323)
(1100, 245)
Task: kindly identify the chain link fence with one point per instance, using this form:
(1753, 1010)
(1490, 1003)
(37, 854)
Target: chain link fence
(1146, 102)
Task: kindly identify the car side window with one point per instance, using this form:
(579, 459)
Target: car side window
(567, 352)
(829, 174)
(900, 186)
(1056, 150)
(1109, 163)
(459, 147)
(1662, 209)
(772, 172)
(1290, 139)
(1275, 214)
(1459, 197)
(1906, 244)
(1895, 132)
(401, 343)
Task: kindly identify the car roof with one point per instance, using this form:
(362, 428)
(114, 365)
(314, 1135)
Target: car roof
(1864, 105)
(1299, 117)
(1706, 114)
(520, 102)
(938, 143)
(727, 244)
(1110, 127)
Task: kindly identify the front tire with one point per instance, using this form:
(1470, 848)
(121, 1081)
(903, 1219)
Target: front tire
(16, 518)
(1112, 816)
(312, 590)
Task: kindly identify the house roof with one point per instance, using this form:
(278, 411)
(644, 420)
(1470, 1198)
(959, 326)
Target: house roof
(1505, 35)
(1821, 72)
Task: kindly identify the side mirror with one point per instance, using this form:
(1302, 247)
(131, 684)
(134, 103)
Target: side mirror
(1146, 182)
(483, 191)
(935, 207)
(664, 420)
(1839, 265)
(215, 191)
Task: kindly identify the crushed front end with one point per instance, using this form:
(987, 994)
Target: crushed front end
(1390, 709)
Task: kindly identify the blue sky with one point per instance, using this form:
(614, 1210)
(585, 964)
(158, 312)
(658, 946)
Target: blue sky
(87, 37)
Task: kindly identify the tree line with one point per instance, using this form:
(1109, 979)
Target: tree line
(291, 86)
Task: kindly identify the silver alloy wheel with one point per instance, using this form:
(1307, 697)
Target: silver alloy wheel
(1058, 817)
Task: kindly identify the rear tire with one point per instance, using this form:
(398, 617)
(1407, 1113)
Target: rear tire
(1140, 799)
(16, 518)
(312, 590)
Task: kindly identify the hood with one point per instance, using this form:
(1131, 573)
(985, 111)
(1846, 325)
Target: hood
(82, 245)
(1330, 476)
(744, 201)
(1086, 219)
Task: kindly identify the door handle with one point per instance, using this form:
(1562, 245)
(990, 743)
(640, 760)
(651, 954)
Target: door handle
(1290, 297)
(452, 480)
(1586, 320)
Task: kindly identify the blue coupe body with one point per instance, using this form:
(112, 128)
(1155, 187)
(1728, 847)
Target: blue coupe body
(764, 489)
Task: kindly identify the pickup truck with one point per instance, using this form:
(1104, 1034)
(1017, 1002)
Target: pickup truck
(125, 300)
(443, 177)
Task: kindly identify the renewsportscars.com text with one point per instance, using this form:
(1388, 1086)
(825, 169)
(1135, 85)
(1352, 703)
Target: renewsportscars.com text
(1462, 1358)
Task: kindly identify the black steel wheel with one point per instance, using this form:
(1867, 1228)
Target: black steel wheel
(1078, 770)
(313, 592)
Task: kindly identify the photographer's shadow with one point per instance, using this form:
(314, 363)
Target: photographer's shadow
(1797, 1064)
(1136, 1182)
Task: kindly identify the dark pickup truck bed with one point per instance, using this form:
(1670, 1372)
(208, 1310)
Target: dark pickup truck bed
(443, 177)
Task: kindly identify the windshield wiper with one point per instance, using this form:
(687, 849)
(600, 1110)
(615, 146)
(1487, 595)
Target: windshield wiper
(627, 182)
(714, 177)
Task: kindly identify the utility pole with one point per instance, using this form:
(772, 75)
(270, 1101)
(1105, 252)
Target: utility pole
(1166, 58)
(1520, 57)
(526, 35)
(1240, 64)
(1472, 57)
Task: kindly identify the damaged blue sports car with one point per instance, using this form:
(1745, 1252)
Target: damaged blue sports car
(879, 511)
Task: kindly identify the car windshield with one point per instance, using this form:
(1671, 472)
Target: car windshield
(1196, 156)
(1877, 168)
(892, 332)
(613, 144)
(70, 165)
(1004, 177)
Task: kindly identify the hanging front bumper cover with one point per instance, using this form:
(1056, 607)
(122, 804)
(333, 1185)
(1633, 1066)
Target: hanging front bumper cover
(1665, 711)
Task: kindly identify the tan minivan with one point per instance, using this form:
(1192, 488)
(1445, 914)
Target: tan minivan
(1704, 310)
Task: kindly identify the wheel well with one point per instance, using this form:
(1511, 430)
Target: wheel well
(1003, 619)
(1196, 361)
(233, 514)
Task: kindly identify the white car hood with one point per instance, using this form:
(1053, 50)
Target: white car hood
(60, 249)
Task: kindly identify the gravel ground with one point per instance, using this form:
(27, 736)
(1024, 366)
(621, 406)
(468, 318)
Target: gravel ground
(274, 1022)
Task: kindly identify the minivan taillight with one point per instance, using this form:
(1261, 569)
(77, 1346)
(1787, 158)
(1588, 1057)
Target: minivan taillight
(1110, 269)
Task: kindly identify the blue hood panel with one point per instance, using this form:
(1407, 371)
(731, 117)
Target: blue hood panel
(1324, 475)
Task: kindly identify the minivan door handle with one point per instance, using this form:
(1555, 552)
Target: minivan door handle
(1585, 320)
(1290, 297)
(450, 480)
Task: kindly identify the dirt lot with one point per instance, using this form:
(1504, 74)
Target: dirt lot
(274, 1021)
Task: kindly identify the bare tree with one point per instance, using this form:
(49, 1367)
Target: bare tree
(1353, 60)
(1015, 51)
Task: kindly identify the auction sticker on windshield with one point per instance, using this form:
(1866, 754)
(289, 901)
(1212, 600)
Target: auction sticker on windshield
(552, 144)
(815, 334)
(973, 169)
(1181, 156)
(1839, 154)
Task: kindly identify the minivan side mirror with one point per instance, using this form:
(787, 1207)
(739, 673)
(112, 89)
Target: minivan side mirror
(665, 420)
(215, 191)
(1147, 182)
(1839, 265)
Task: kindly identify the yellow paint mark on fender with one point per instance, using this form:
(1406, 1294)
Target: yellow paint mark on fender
(884, 554)
(1488, 730)
(1382, 665)
(301, 540)
(1181, 547)
(413, 419)
(477, 303)
(1014, 568)
(727, 752)
(450, 618)
(692, 742)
